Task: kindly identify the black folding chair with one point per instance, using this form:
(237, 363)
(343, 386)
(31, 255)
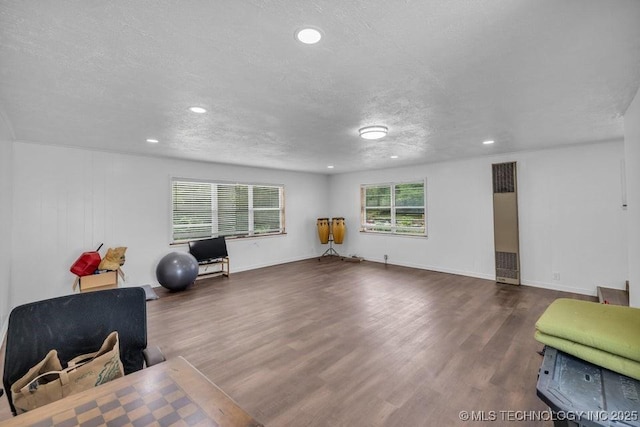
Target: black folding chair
(77, 324)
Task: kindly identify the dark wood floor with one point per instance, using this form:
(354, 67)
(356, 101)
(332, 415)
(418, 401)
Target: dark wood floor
(331, 343)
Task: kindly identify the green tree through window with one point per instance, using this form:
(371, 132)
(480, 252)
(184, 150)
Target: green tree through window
(397, 208)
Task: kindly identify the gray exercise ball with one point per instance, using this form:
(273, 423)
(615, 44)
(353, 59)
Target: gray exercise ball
(177, 270)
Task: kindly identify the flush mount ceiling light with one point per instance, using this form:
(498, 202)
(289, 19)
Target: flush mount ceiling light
(373, 132)
(330, 167)
(308, 35)
(152, 141)
(488, 142)
(198, 110)
(394, 157)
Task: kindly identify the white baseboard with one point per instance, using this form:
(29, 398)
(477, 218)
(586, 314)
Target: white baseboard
(440, 269)
(525, 282)
(560, 287)
(283, 261)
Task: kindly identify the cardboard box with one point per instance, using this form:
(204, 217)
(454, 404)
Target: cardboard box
(98, 282)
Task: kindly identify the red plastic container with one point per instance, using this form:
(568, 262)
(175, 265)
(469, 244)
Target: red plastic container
(87, 263)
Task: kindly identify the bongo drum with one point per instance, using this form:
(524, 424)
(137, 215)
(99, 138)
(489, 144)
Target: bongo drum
(337, 229)
(323, 230)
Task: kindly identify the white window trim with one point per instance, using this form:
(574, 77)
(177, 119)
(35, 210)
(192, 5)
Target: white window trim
(393, 232)
(214, 201)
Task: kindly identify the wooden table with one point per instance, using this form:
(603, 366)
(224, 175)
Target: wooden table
(170, 393)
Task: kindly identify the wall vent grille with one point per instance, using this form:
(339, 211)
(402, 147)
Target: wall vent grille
(507, 265)
(504, 177)
(505, 223)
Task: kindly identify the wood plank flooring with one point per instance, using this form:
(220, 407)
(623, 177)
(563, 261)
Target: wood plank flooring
(331, 343)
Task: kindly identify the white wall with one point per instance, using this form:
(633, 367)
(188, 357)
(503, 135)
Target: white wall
(5, 231)
(632, 167)
(571, 218)
(6, 180)
(69, 200)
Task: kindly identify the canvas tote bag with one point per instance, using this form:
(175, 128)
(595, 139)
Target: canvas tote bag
(47, 382)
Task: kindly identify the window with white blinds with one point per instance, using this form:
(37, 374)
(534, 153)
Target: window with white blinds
(209, 209)
(396, 208)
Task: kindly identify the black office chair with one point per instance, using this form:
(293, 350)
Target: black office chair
(77, 324)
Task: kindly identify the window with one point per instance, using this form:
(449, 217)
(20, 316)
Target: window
(396, 208)
(208, 209)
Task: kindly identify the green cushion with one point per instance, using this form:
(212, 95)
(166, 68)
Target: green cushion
(613, 362)
(604, 334)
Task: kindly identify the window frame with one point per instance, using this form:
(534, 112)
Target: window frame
(393, 227)
(214, 187)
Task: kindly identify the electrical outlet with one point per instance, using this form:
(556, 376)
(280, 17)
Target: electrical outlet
(556, 275)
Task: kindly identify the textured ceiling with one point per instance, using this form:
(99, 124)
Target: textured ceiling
(443, 75)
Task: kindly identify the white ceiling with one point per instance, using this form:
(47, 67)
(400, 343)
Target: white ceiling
(443, 75)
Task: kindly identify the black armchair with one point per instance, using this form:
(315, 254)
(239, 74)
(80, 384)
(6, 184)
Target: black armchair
(77, 324)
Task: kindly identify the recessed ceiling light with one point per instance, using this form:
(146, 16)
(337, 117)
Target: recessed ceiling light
(308, 35)
(198, 110)
(152, 141)
(330, 167)
(373, 132)
(488, 142)
(394, 157)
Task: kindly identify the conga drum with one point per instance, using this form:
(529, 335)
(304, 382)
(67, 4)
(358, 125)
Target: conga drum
(337, 229)
(323, 230)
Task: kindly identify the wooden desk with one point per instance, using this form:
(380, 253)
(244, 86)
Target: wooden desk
(170, 393)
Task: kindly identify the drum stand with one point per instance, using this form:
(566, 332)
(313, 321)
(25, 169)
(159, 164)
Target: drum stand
(330, 251)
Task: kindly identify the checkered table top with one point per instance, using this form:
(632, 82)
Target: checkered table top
(173, 393)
